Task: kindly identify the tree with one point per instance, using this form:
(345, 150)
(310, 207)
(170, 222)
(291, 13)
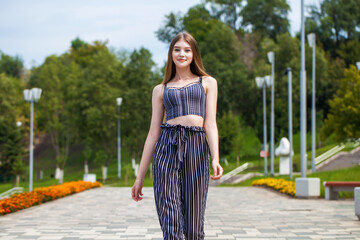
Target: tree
(335, 22)
(268, 17)
(11, 66)
(11, 137)
(344, 117)
(172, 26)
(350, 51)
(58, 78)
(136, 108)
(101, 83)
(228, 11)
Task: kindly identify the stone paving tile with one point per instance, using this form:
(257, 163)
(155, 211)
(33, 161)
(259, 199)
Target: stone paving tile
(232, 213)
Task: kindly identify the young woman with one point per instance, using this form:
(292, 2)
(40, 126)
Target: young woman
(180, 146)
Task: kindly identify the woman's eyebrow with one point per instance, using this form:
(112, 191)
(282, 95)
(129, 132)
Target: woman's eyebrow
(180, 47)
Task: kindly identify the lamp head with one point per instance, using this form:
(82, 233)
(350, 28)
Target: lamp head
(311, 39)
(36, 94)
(271, 56)
(287, 71)
(358, 65)
(119, 101)
(259, 82)
(268, 80)
(33, 94)
(27, 95)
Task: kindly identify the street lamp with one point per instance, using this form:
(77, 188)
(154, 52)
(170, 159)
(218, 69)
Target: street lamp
(303, 97)
(312, 42)
(31, 96)
(289, 74)
(358, 65)
(118, 101)
(271, 58)
(304, 187)
(262, 82)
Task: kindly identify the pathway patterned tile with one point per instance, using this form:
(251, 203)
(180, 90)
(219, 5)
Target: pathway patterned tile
(232, 213)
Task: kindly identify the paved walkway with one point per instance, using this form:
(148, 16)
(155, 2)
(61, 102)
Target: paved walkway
(232, 213)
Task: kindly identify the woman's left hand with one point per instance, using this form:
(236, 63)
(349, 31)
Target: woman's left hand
(218, 170)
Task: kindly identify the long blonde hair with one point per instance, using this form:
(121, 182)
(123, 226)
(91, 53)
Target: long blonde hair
(196, 66)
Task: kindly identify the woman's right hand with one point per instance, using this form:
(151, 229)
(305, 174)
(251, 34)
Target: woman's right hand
(136, 190)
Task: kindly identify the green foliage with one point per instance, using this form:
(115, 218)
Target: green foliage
(267, 17)
(100, 157)
(136, 108)
(227, 10)
(11, 144)
(57, 77)
(11, 66)
(334, 22)
(11, 148)
(78, 43)
(344, 116)
(172, 26)
(236, 139)
(350, 51)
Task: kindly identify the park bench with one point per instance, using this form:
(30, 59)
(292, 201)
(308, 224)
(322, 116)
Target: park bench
(332, 188)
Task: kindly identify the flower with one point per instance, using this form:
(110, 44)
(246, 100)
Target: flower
(41, 195)
(282, 185)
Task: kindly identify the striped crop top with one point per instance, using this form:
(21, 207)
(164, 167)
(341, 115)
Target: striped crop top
(186, 100)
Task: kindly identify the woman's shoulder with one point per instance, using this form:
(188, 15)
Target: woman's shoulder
(209, 79)
(158, 90)
(209, 82)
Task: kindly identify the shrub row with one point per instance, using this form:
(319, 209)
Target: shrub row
(282, 185)
(41, 195)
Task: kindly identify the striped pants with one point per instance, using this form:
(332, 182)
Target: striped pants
(181, 179)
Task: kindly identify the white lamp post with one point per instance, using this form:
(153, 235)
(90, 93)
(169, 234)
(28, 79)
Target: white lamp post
(31, 96)
(304, 187)
(119, 101)
(271, 58)
(289, 74)
(262, 82)
(312, 43)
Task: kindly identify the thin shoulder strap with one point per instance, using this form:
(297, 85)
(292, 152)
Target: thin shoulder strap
(200, 79)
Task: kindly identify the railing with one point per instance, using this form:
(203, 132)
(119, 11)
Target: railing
(12, 191)
(234, 172)
(328, 154)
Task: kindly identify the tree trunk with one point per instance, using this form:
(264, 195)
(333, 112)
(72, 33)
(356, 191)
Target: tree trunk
(86, 167)
(104, 173)
(61, 176)
(17, 180)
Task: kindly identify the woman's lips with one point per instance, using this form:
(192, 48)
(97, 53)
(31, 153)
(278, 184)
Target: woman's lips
(181, 60)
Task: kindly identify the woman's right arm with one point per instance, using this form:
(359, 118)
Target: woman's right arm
(152, 137)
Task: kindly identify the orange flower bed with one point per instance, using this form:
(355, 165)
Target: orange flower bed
(44, 194)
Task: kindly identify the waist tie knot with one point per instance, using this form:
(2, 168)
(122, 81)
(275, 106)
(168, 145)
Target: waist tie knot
(180, 135)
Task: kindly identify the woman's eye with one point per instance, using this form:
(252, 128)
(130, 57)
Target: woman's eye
(176, 50)
(187, 50)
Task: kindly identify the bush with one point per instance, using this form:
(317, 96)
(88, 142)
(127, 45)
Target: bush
(282, 185)
(41, 195)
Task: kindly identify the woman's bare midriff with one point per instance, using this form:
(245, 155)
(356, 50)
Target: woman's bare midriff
(187, 120)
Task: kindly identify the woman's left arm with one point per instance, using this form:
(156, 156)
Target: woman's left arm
(210, 125)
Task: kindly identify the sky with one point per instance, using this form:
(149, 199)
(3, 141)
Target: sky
(36, 29)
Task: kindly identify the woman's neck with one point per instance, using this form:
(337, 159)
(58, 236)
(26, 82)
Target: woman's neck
(183, 74)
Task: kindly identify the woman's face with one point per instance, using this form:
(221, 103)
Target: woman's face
(182, 54)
